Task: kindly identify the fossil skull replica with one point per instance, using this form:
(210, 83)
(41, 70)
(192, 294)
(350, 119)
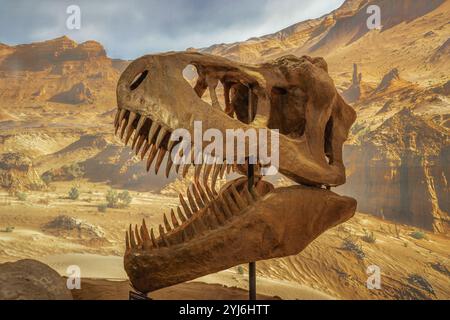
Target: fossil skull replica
(213, 230)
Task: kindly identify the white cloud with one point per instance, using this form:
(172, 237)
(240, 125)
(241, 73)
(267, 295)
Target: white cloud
(132, 28)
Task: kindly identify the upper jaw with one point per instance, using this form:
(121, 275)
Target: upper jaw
(166, 98)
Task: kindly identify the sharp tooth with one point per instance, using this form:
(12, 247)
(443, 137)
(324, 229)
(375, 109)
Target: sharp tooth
(140, 124)
(226, 209)
(198, 170)
(188, 163)
(181, 161)
(144, 150)
(152, 235)
(186, 169)
(119, 121)
(138, 236)
(191, 201)
(238, 198)
(128, 135)
(222, 170)
(163, 236)
(139, 144)
(172, 144)
(248, 196)
(167, 224)
(127, 241)
(175, 222)
(161, 135)
(181, 215)
(151, 157)
(138, 135)
(198, 200)
(186, 208)
(116, 118)
(130, 129)
(124, 127)
(203, 194)
(206, 173)
(132, 239)
(145, 236)
(215, 175)
(169, 165)
(229, 168)
(233, 207)
(152, 132)
(159, 160)
(219, 215)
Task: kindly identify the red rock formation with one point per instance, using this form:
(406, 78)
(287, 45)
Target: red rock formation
(400, 172)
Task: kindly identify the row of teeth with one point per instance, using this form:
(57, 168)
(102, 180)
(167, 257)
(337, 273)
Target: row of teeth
(152, 140)
(198, 216)
(204, 209)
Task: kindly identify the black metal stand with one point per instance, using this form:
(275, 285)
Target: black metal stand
(251, 265)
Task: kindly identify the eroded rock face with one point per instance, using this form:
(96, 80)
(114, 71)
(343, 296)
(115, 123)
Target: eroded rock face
(17, 173)
(79, 93)
(69, 227)
(400, 172)
(31, 280)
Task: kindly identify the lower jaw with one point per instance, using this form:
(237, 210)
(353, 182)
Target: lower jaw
(282, 223)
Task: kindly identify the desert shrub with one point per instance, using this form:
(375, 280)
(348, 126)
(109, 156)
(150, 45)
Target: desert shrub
(418, 235)
(421, 282)
(240, 270)
(118, 200)
(369, 237)
(350, 245)
(112, 199)
(440, 268)
(21, 196)
(74, 193)
(125, 198)
(102, 207)
(8, 229)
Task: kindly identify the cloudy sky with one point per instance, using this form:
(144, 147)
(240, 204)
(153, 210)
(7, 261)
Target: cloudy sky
(131, 28)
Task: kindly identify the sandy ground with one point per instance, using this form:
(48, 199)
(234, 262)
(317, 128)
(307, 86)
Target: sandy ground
(108, 271)
(325, 270)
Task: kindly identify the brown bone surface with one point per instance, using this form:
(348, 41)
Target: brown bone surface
(212, 231)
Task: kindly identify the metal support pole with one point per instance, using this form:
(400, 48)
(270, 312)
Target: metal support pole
(251, 185)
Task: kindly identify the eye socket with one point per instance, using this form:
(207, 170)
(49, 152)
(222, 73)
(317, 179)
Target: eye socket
(138, 80)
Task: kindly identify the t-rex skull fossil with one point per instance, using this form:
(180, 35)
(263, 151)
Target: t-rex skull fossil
(218, 230)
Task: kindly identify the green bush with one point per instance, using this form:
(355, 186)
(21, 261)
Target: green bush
(112, 199)
(350, 245)
(74, 193)
(240, 270)
(21, 196)
(118, 200)
(418, 235)
(125, 198)
(102, 207)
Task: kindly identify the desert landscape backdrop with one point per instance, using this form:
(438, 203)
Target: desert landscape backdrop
(69, 188)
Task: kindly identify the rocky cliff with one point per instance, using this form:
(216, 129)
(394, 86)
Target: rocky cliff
(400, 172)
